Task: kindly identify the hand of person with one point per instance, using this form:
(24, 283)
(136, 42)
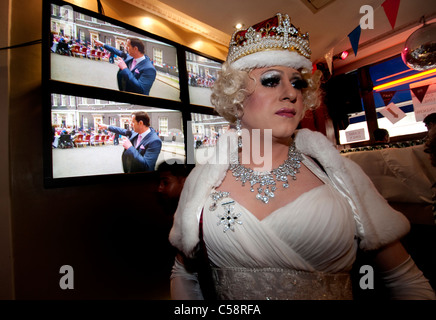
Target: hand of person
(121, 64)
(98, 43)
(102, 126)
(126, 143)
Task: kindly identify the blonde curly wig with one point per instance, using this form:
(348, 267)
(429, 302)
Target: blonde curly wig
(229, 91)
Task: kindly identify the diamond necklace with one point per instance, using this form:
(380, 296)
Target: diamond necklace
(268, 180)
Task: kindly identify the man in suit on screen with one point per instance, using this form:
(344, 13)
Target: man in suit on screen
(141, 146)
(137, 73)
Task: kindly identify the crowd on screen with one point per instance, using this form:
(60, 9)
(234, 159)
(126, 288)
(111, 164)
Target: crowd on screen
(74, 47)
(70, 137)
(196, 80)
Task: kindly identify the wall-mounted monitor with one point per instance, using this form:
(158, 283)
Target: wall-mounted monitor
(86, 140)
(202, 73)
(94, 50)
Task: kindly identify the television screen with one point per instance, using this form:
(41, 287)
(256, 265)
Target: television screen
(202, 73)
(205, 131)
(88, 136)
(93, 50)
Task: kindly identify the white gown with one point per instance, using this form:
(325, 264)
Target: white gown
(314, 236)
(303, 250)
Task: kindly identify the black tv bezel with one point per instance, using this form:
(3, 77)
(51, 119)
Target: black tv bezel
(50, 86)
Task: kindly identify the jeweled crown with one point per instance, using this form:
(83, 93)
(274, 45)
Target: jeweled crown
(276, 33)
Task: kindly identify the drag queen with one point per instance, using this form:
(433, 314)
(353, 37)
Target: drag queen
(277, 213)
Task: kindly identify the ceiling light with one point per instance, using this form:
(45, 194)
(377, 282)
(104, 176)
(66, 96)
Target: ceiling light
(344, 55)
(238, 26)
(147, 21)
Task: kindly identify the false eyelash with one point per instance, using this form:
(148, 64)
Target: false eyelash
(270, 81)
(273, 81)
(300, 84)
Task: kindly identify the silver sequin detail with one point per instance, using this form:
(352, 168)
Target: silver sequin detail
(216, 197)
(280, 284)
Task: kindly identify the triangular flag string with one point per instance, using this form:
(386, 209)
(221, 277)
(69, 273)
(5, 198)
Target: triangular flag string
(387, 96)
(420, 92)
(354, 37)
(391, 10)
(329, 58)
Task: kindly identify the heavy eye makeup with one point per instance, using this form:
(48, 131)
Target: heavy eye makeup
(273, 78)
(299, 84)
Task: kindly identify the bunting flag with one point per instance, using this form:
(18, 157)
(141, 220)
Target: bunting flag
(329, 58)
(354, 37)
(420, 92)
(391, 10)
(387, 96)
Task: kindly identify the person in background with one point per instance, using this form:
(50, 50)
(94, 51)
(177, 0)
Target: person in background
(430, 148)
(430, 121)
(136, 71)
(142, 145)
(289, 226)
(381, 136)
(172, 176)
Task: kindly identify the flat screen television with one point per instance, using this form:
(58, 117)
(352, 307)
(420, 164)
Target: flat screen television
(202, 73)
(90, 49)
(81, 147)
